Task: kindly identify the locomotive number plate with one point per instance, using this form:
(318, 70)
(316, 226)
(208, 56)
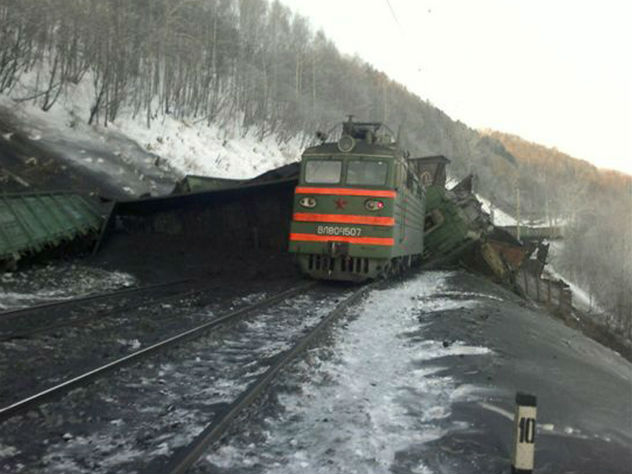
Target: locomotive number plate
(337, 230)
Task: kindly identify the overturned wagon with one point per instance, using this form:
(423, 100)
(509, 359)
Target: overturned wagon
(36, 222)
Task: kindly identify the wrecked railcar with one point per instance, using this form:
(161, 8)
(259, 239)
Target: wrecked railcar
(32, 223)
(459, 231)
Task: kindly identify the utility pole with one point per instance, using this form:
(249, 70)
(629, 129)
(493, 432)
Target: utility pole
(385, 101)
(517, 209)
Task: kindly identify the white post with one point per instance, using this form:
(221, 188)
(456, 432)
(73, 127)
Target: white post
(524, 434)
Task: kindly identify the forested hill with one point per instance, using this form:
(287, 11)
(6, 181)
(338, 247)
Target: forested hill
(216, 60)
(595, 207)
(254, 65)
(560, 183)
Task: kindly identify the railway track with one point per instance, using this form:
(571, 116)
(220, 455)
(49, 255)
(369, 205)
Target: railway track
(228, 373)
(184, 458)
(25, 322)
(82, 380)
(50, 357)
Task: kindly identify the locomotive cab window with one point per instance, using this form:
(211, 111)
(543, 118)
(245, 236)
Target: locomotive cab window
(367, 172)
(323, 171)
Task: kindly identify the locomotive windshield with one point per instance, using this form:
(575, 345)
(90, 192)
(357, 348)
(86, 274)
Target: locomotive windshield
(367, 172)
(323, 171)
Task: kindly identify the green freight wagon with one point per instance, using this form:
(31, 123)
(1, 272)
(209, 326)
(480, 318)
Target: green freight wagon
(194, 184)
(450, 226)
(36, 222)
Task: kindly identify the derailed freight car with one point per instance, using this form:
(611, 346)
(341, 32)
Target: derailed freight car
(34, 223)
(358, 207)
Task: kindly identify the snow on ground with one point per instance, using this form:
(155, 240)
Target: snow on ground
(188, 146)
(54, 283)
(581, 297)
(500, 218)
(377, 396)
(451, 182)
(197, 148)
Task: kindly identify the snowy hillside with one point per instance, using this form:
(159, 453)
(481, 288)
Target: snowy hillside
(499, 217)
(175, 147)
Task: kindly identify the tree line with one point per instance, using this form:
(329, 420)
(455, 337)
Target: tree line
(206, 59)
(186, 58)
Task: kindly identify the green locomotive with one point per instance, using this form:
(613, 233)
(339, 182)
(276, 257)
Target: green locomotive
(358, 208)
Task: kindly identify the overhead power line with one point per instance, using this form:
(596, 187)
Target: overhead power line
(399, 25)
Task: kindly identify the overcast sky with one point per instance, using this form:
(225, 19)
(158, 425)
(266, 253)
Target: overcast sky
(556, 72)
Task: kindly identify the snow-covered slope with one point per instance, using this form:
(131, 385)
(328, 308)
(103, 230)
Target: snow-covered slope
(499, 217)
(138, 157)
(208, 150)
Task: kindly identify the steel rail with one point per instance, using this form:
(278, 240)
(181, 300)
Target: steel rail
(86, 318)
(82, 380)
(7, 315)
(184, 458)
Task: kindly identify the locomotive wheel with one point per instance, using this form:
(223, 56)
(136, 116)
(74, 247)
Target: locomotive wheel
(397, 268)
(386, 272)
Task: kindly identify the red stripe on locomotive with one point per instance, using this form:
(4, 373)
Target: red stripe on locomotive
(297, 237)
(343, 219)
(347, 192)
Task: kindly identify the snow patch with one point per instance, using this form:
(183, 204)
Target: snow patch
(434, 305)
(6, 451)
(112, 452)
(57, 283)
(436, 349)
(249, 299)
(468, 294)
(500, 218)
(133, 344)
(581, 297)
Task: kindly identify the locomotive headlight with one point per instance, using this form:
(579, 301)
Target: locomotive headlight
(373, 205)
(308, 202)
